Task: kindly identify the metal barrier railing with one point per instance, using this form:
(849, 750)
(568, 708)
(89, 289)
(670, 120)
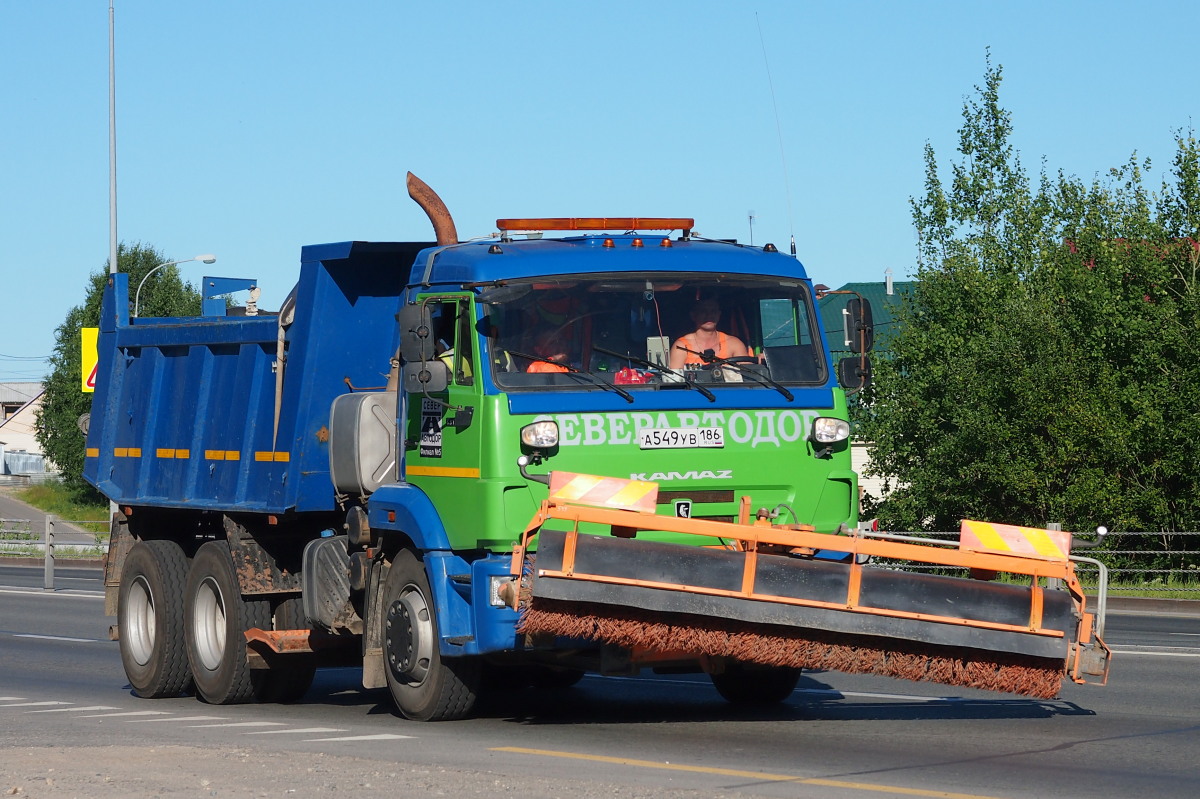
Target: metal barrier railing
(17, 538)
(1181, 579)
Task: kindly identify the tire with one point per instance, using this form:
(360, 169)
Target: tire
(216, 618)
(749, 684)
(291, 675)
(150, 619)
(424, 685)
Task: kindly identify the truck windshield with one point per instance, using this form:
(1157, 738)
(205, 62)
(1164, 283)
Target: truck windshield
(652, 330)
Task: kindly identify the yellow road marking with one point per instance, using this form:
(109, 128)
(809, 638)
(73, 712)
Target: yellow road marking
(753, 775)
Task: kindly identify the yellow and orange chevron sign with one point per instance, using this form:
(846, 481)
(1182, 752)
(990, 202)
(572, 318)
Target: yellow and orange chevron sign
(1008, 538)
(604, 492)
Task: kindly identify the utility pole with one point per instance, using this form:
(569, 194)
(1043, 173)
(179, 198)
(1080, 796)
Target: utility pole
(112, 140)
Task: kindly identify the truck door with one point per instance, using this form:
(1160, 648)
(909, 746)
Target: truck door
(443, 458)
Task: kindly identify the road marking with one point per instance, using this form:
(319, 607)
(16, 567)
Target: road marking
(181, 718)
(754, 775)
(128, 713)
(1165, 653)
(381, 737)
(34, 704)
(74, 709)
(242, 724)
(302, 731)
(58, 638)
(73, 593)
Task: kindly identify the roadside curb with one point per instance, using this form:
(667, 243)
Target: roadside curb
(59, 563)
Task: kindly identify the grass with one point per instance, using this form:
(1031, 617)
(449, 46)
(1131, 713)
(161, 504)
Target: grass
(59, 500)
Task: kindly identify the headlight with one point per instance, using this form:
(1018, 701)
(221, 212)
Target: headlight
(827, 430)
(540, 435)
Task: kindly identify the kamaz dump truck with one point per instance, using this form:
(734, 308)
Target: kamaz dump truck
(446, 461)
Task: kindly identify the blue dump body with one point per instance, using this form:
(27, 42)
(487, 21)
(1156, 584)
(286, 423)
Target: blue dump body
(185, 411)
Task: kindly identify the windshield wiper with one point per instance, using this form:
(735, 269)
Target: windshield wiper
(573, 371)
(712, 360)
(651, 365)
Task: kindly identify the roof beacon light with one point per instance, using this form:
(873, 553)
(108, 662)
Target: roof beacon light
(598, 223)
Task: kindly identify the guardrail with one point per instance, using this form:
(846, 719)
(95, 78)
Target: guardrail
(1177, 574)
(18, 539)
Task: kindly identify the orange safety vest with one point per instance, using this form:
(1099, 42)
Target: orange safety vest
(693, 358)
(543, 366)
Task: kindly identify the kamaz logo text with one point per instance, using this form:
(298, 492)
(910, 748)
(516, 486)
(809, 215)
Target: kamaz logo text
(662, 477)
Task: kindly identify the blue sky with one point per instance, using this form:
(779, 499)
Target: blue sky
(248, 129)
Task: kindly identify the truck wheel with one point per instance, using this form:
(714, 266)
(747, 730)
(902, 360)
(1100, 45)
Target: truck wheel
(424, 685)
(292, 675)
(150, 619)
(749, 684)
(216, 618)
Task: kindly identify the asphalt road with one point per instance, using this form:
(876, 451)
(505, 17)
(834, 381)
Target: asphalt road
(70, 727)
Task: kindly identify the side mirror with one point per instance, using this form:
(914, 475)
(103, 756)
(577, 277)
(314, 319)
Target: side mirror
(416, 333)
(854, 373)
(860, 326)
(428, 377)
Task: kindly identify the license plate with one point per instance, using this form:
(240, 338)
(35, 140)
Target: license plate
(681, 437)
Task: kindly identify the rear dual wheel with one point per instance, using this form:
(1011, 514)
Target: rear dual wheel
(150, 619)
(216, 619)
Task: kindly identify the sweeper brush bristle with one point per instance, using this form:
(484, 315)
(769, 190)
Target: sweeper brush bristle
(799, 648)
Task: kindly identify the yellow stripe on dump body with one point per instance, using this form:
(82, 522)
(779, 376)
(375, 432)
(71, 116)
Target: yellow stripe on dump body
(176, 454)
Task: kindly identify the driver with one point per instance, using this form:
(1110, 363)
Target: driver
(706, 340)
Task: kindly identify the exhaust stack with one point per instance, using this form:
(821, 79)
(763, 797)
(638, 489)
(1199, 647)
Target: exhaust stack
(434, 208)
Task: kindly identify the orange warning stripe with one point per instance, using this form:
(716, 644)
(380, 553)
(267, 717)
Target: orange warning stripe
(603, 492)
(1028, 541)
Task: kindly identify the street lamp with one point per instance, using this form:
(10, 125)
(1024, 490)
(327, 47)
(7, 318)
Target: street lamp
(208, 259)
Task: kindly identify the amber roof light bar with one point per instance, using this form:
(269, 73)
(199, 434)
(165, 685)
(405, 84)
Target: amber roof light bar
(598, 223)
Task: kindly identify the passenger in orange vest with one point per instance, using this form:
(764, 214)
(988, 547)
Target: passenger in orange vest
(706, 340)
(551, 346)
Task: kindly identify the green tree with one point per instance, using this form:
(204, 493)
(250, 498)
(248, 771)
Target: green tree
(63, 403)
(1047, 364)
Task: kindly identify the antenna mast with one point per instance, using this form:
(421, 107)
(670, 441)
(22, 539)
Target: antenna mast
(787, 184)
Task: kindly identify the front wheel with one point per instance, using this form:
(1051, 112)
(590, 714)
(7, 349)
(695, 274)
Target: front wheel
(150, 619)
(216, 619)
(750, 684)
(424, 685)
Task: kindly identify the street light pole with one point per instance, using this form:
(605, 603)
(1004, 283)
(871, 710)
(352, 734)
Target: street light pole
(112, 141)
(208, 259)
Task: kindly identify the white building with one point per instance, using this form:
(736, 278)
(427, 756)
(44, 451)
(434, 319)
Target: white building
(20, 452)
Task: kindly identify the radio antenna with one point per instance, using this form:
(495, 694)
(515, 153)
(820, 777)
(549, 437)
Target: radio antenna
(787, 184)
